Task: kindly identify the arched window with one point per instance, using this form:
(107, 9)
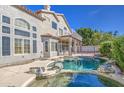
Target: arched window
(22, 23)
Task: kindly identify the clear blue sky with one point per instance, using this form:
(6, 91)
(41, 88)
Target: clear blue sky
(105, 18)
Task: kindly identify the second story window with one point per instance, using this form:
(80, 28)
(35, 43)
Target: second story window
(5, 29)
(60, 32)
(65, 31)
(65, 28)
(22, 23)
(5, 19)
(54, 25)
(34, 28)
(34, 35)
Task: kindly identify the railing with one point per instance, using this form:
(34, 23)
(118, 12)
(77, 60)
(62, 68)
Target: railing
(90, 49)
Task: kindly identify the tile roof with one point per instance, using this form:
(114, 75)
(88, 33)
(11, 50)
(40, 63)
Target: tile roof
(23, 8)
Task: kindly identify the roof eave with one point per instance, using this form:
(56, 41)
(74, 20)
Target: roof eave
(24, 9)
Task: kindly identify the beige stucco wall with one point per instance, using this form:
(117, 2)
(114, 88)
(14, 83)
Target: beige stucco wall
(47, 24)
(63, 23)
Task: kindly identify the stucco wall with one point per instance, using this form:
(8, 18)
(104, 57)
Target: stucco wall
(47, 25)
(77, 36)
(14, 13)
(63, 23)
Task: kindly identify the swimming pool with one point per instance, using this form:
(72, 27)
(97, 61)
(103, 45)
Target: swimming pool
(82, 63)
(77, 79)
(70, 80)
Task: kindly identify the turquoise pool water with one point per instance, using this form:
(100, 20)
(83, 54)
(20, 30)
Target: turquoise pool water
(82, 63)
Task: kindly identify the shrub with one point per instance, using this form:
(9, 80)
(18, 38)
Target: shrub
(105, 49)
(118, 51)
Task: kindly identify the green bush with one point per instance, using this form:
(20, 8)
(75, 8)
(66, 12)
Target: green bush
(105, 49)
(118, 51)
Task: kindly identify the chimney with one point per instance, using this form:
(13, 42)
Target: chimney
(47, 7)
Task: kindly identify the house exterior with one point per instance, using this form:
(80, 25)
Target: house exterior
(19, 35)
(27, 36)
(57, 36)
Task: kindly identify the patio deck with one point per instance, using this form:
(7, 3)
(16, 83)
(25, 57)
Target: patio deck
(16, 75)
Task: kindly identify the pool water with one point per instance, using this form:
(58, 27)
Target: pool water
(85, 80)
(82, 63)
(70, 80)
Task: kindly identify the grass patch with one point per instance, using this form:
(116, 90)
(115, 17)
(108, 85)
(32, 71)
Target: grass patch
(109, 82)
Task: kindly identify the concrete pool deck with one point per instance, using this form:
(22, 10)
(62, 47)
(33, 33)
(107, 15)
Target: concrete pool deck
(16, 76)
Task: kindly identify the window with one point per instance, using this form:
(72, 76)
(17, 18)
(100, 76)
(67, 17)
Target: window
(54, 25)
(34, 35)
(22, 23)
(34, 46)
(5, 46)
(56, 46)
(65, 31)
(22, 33)
(46, 46)
(53, 46)
(65, 28)
(26, 46)
(34, 28)
(60, 32)
(18, 46)
(5, 29)
(5, 19)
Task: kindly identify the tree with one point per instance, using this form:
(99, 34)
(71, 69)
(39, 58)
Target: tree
(105, 49)
(118, 51)
(94, 37)
(87, 34)
(115, 33)
(106, 37)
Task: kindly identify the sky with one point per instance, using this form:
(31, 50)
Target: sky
(104, 18)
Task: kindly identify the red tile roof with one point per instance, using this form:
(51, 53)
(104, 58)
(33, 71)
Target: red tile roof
(23, 8)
